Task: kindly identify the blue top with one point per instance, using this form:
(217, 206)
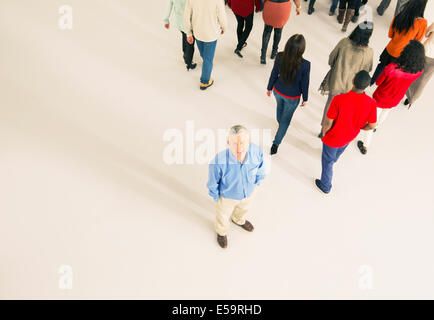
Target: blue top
(232, 179)
(300, 85)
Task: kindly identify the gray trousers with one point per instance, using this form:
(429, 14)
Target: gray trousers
(384, 4)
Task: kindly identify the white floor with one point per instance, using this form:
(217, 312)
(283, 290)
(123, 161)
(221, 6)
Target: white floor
(83, 182)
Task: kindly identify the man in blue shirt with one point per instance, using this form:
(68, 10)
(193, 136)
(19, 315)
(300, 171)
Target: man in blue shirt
(233, 176)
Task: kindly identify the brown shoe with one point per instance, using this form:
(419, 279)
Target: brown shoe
(246, 226)
(222, 241)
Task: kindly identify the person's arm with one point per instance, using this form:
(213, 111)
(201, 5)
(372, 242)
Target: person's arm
(168, 13)
(187, 19)
(369, 126)
(305, 80)
(260, 175)
(258, 5)
(274, 75)
(383, 76)
(214, 177)
(221, 16)
(331, 115)
(335, 53)
(422, 30)
(298, 6)
(327, 125)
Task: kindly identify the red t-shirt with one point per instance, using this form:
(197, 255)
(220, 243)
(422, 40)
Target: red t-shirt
(392, 86)
(351, 111)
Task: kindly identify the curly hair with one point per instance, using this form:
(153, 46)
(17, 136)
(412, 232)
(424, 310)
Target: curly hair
(412, 58)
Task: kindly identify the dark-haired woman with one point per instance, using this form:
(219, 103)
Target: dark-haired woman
(275, 14)
(408, 25)
(289, 80)
(393, 83)
(351, 55)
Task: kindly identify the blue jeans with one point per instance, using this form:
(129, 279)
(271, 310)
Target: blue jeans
(207, 50)
(334, 5)
(284, 112)
(329, 157)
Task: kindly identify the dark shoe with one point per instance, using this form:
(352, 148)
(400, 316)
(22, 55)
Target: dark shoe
(310, 10)
(355, 19)
(246, 226)
(238, 53)
(191, 66)
(263, 61)
(406, 102)
(222, 241)
(361, 147)
(204, 86)
(320, 135)
(380, 13)
(274, 149)
(331, 13)
(318, 184)
(273, 54)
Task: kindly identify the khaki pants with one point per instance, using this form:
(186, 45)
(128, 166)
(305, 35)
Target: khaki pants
(227, 209)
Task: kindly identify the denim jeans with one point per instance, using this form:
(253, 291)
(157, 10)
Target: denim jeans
(207, 50)
(329, 157)
(334, 5)
(284, 112)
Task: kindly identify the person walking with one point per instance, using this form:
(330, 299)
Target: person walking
(393, 83)
(177, 7)
(234, 175)
(351, 55)
(408, 25)
(348, 114)
(417, 87)
(289, 80)
(204, 21)
(347, 8)
(275, 14)
(244, 12)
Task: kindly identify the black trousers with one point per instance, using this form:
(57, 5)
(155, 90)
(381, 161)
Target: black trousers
(385, 59)
(187, 49)
(244, 28)
(348, 4)
(266, 38)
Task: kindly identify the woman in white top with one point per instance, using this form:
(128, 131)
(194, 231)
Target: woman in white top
(416, 89)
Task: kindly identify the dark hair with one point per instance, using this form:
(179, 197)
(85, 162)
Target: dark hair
(362, 33)
(291, 58)
(412, 58)
(362, 80)
(412, 10)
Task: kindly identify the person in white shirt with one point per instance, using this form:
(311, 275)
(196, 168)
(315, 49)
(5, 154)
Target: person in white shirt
(177, 7)
(204, 20)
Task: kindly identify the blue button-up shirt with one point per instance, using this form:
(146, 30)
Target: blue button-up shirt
(232, 179)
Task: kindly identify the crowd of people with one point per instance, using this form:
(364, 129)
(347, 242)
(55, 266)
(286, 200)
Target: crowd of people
(405, 67)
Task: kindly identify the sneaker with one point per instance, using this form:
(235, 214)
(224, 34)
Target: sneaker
(310, 11)
(238, 53)
(222, 241)
(361, 147)
(274, 149)
(191, 66)
(318, 184)
(204, 86)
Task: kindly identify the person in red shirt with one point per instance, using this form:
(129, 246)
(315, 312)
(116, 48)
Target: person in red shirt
(348, 113)
(394, 82)
(244, 11)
